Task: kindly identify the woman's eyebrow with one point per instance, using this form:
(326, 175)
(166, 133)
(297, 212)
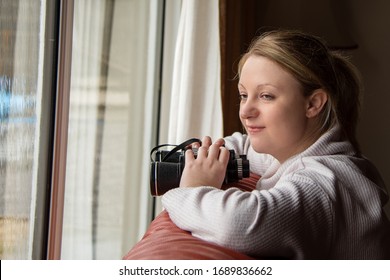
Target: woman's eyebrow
(258, 86)
(265, 85)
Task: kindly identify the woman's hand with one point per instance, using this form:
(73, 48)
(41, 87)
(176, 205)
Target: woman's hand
(208, 168)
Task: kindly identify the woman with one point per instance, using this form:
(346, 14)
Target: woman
(317, 197)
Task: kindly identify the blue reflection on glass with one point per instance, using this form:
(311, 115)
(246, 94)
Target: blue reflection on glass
(17, 104)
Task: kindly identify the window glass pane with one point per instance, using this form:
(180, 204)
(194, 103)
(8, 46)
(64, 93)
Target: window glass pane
(111, 127)
(20, 97)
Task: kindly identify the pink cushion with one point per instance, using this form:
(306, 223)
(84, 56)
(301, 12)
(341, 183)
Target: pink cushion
(165, 241)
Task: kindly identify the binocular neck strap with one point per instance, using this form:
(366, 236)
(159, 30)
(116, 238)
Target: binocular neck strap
(182, 146)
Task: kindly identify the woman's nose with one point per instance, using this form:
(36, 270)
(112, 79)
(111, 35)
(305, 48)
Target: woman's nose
(247, 110)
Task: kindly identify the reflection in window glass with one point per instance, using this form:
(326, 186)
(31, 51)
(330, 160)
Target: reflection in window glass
(19, 120)
(110, 127)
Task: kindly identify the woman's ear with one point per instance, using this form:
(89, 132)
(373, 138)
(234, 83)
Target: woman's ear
(316, 101)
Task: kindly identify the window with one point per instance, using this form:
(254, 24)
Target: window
(115, 80)
(26, 77)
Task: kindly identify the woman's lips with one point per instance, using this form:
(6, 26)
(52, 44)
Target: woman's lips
(254, 129)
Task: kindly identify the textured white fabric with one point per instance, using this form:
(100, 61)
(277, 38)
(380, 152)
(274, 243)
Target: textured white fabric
(325, 203)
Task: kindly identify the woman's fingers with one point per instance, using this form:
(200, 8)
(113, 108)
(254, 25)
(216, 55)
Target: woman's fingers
(224, 155)
(209, 150)
(203, 152)
(206, 142)
(208, 167)
(215, 150)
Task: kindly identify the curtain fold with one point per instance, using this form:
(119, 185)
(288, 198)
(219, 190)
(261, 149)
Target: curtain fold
(195, 108)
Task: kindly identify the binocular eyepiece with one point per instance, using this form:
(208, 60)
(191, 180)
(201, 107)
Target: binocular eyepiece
(167, 167)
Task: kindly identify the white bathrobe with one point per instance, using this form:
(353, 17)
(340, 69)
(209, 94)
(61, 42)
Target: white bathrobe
(324, 203)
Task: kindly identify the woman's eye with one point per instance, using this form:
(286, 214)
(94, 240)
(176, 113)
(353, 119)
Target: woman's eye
(243, 96)
(266, 96)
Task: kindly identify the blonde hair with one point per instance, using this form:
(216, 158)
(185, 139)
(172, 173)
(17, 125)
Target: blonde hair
(315, 66)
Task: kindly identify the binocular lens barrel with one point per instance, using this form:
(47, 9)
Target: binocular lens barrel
(165, 175)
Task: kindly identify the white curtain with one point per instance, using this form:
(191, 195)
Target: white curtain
(195, 108)
(191, 93)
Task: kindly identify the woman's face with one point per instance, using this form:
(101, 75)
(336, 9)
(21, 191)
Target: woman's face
(273, 109)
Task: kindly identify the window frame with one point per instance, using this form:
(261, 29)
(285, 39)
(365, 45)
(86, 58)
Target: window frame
(40, 213)
(60, 133)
